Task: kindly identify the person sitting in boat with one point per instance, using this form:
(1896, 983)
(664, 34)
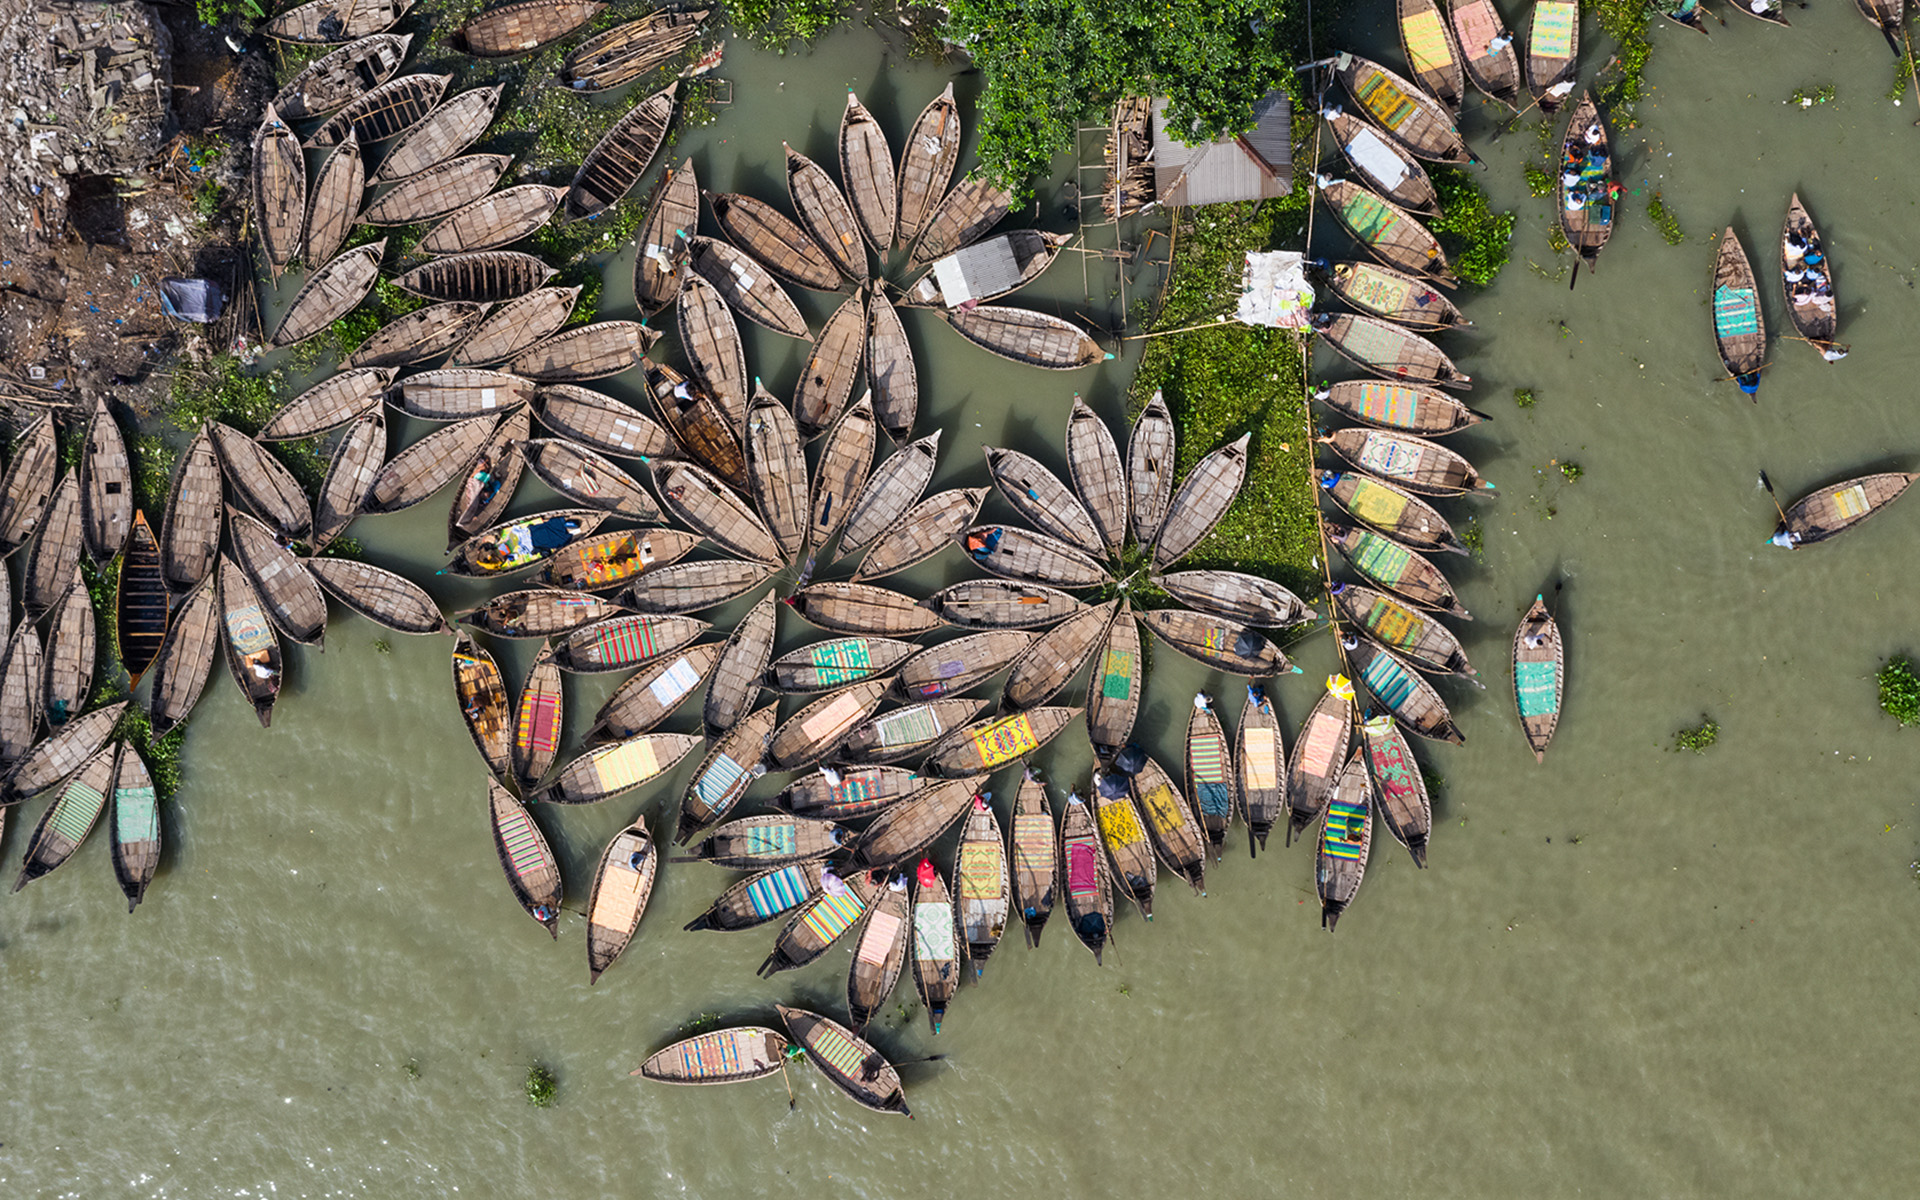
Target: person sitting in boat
(542, 913)
(1748, 383)
(1786, 539)
(1596, 135)
(1570, 175)
(1348, 640)
(1560, 91)
(1576, 199)
(1499, 42)
(1764, 8)
(1793, 274)
(553, 533)
(1794, 244)
(636, 860)
(982, 545)
(1534, 641)
(1832, 353)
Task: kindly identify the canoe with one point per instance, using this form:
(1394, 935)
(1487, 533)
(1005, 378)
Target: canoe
(861, 608)
(533, 875)
(982, 883)
(1034, 850)
(1039, 495)
(825, 214)
(621, 887)
(1238, 597)
(710, 338)
(879, 954)
(619, 643)
(538, 717)
(986, 270)
(106, 486)
(1024, 336)
(262, 483)
(1406, 573)
(804, 938)
(849, 794)
(841, 476)
(1391, 510)
(522, 542)
(1346, 835)
(422, 334)
(1404, 692)
(832, 366)
(1386, 231)
(836, 662)
(866, 167)
(1432, 53)
(927, 159)
(56, 550)
(1838, 507)
(539, 613)
(71, 651)
(905, 830)
(495, 220)
(741, 671)
(1318, 756)
(1400, 792)
(724, 776)
(382, 112)
(1810, 300)
(1739, 325)
(482, 695)
(698, 499)
(592, 351)
(1128, 851)
(893, 488)
(906, 732)
(586, 478)
(186, 656)
(693, 586)
(135, 827)
(416, 473)
(1217, 642)
(817, 729)
(291, 598)
(1495, 72)
(334, 200)
(1200, 502)
(1384, 405)
(616, 163)
(723, 1056)
(1382, 163)
(1539, 676)
(993, 742)
(1389, 351)
(27, 488)
(855, 1067)
(608, 560)
(1888, 16)
(746, 286)
(1014, 553)
(439, 191)
(1410, 462)
(672, 217)
(1150, 467)
(325, 21)
(522, 26)
(489, 477)
(629, 50)
(777, 472)
(774, 241)
(892, 378)
(329, 404)
(330, 292)
(700, 424)
(609, 770)
(935, 951)
(1002, 604)
(1055, 657)
(973, 206)
(379, 595)
(1210, 781)
(251, 646)
(1413, 635)
(1394, 295)
(70, 818)
(279, 190)
(1099, 476)
(337, 77)
(1176, 835)
(1414, 119)
(1113, 689)
(760, 898)
(483, 275)
(921, 532)
(1259, 754)
(1586, 208)
(1553, 48)
(21, 676)
(140, 602)
(600, 422)
(57, 757)
(755, 843)
(1083, 869)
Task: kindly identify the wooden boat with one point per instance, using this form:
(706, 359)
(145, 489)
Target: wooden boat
(619, 643)
(140, 602)
(106, 492)
(1403, 692)
(855, 1067)
(1089, 888)
(330, 292)
(826, 382)
(488, 479)
(1428, 42)
(935, 952)
(1099, 476)
(1259, 754)
(56, 550)
(334, 200)
(760, 898)
(974, 205)
(777, 472)
(983, 883)
(850, 794)
(609, 770)
(428, 465)
(260, 482)
(586, 478)
(1169, 818)
(1035, 852)
(180, 669)
(1128, 851)
(1237, 597)
(1346, 834)
(379, 595)
(1586, 209)
(324, 407)
(1024, 336)
(1404, 572)
(1383, 163)
(327, 21)
(1201, 501)
(710, 338)
(292, 599)
(921, 532)
(774, 241)
(136, 825)
(71, 651)
(698, 498)
(1210, 772)
(723, 1056)
(866, 166)
(495, 220)
(601, 423)
(621, 887)
(1888, 16)
(1391, 510)
(756, 843)
(1386, 231)
(892, 378)
(522, 542)
(533, 875)
(539, 613)
(483, 275)
(821, 666)
(624, 53)
(745, 286)
(1055, 657)
(691, 587)
(1400, 791)
(414, 337)
(1415, 636)
(986, 270)
(482, 694)
(1410, 462)
(1150, 467)
(817, 729)
(1039, 495)
(439, 191)
(21, 687)
(861, 608)
(879, 954)
(1739, 325)
(70, 818)
(337, 77)
(616, 163)
(889, 492)
(57, 757)
(1217, 642)
(1495, 72)
(516, 28)
(252, 648)
(927, 159)
(993, 742)
(1414, 119)
(905, 830)
(1384, 405)
(382, 112)
(1553, 46)
(1806, 274)
(1389, 351)
(279, 179)
(700, 424)
(1838, 507)
(1689, 13)
(608, 560)
(729, 770)
(538, 717)
(813, 929)
(742, 669)
(1014, 553)
(1394, 295)
(906, 732)
(591, 351)
(826, 215)
(27, 487)
(1318, 755)
(1002, 604)
(1113, 690)
(846, 458)
(672, 217)
(1539, 676)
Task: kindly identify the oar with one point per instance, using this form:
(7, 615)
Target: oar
(1576, 274)
(789, 1082)
(1768, 484)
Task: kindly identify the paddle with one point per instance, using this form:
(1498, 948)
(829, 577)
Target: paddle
(1576, 274)
(1768, 484)
(789, 1082)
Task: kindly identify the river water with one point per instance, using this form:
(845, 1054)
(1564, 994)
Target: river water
(1628, 971)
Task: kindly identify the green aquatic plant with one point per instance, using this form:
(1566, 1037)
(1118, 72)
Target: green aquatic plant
(1900, 690)
(1571, 471)
(1663, 220)
(1524, 398)
(1802, 98)
(1474, 537)
(1557, 239)
(1697, 737)
(161, 754)
(541, 1086)
(1621, 79)
(775, 23)
(1539, 183)
(1479, 236)
(1903, 68)
(222, 389)
(153, 460)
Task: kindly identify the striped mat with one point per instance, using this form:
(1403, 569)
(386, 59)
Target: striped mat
(1323, 739)
(778, 891)
(1736, 312)
(765, 841)
(1555, 22)
(1370, 220)
(1534, 688)
(78, 809)
(1083, 869)
(1390, 681)
(1377, 505)
(838, 1050)
(877, 942)
(1006, 740)
(1260, 758)
(622, 642)
(980, 869)
(908, 727)
(526, 849)
(625, 765)
(1850, 502)
(1389, 404)
(1389, 105)
(1207, 757)
(539, 730)
(713, 1055)
(1394, 624)
(675, 682)
(136, 815)
(721, 782)
(1033, 842)
(1345, 830)
(1426, 41)
(831, 915)
(840, 661)
(1380, 558)
(1116, 675)
(933, 931)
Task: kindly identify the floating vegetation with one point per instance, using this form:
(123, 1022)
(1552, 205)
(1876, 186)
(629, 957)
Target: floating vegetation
(776, 23)
(1903, 68)
(1477, 236)
(1524, 398)
(221, 389)
(1626, 22)
(1474, 537)
(1900, 690)
(1698, 737)
(1539, 183)
(541, 1086)
(1802, 98)
(1571, 471)
(1663, 220)
(1557, 239)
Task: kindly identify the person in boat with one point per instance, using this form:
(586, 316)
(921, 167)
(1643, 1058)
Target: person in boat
(1748, 383)
(1499, 42)
(1596, 135)
(1786, 539)
(1349, 640)
(542, 913)
(982, 545)
(554, 532)
(1534, 640)
(1576, 199)
(1560, 91)
(636, 860)
(1832, 353)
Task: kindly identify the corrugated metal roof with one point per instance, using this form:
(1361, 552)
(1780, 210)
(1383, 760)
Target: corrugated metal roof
(1255, 166)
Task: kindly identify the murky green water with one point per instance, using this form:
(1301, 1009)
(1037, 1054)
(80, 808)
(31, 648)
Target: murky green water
(1628, 972)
